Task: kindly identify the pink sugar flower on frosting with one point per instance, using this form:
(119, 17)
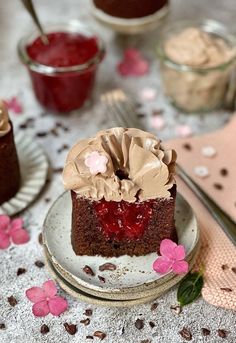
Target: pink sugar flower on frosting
(46, 300)
(171, 259)
(12, 230)
(96, 163)
(133, 64)
(14, 105)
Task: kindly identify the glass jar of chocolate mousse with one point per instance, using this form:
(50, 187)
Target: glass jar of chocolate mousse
(130, 16)
(197, 60)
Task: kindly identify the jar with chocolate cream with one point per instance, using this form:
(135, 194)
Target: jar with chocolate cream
(197, 60)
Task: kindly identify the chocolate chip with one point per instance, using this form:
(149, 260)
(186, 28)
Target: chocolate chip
(40, 238)
(89, 337)
(224, 172)
(139, 324)
(44, 329)
(2, 326)
(226, 289)
(42, 134)
(88, 270)
(233, 270)
(12, 300)
(218, 186)
(146, 341)
(107, 266)
(88, 312)
(70, 328)
(152, 325)
(222, 333)
(187, 146)
(102, 279)
(154, 306)
(39, 264)
(186, 334)
(176, 309)
(100, 335)
(85, 321)
(57, 170)
(205, 332)
(20, 271)
(224, 267)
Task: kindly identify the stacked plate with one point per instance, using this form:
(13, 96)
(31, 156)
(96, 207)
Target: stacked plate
(132, 281)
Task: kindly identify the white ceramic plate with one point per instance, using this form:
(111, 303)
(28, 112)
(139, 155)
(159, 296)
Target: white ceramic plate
(132, 273)
(33, 168)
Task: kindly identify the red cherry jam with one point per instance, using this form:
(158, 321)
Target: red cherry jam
(123, 220)
(68, 90)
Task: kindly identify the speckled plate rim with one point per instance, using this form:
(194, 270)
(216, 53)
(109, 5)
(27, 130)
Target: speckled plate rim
(33, 167)
(94, 300)
(119, 296)
(64, 253)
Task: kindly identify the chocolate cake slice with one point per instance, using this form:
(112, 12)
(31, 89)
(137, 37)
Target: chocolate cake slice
(9, 164)
(123, 193)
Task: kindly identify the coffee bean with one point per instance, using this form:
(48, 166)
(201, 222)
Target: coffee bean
(70, 328)
(222, 333)
(154, 306)
(44, 329)
(88, 270)
(186, 334)
(218, 186)
(226, 289)
(20, 271)
(187, 146)
(85, 321)
(152, 325)
(12, 300)
(89, 337)
(102, 279)
(88, 312)
(2, 326)
(100, 335)
(224, 267)
(233, 270)
(39, 264)
(139, 324)
(107, 266)
(224, 172)
(205, 332)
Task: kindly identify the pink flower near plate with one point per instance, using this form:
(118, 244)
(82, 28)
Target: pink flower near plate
(14, 105)
(46, 300)
(12, 231)
(96, 162)
(133, 64)
(171, 259)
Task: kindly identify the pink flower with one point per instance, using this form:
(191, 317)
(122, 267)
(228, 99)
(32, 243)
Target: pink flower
(12, 231)
(96, 162)
(172, 258)
(183, 131)
(45, 300)
(14, 105)
(133, 64)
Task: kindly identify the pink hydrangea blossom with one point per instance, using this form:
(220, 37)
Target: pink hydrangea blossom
(96, 162)
(46, 300)
(14, 105)
(12, 230)
(133, 64)
(171, 259)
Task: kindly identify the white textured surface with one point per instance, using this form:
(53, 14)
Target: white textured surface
(21, 325)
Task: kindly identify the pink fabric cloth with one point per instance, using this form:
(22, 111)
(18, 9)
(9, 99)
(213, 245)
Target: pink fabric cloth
(218, 254)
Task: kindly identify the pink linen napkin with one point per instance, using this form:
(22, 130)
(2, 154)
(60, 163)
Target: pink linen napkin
(210, 160)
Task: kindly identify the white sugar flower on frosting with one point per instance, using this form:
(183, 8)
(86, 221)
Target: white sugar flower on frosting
(96, 163)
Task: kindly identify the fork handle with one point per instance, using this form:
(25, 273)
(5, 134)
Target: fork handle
(225, 222)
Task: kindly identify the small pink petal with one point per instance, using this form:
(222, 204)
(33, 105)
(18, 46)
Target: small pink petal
(157, 122)
(148, 94)
(57, 305)
(4, 240)
(179, 253)
(40, 309)
(49, 288)
(4, 222)
(183, 131)
(180, 267)
(162, 265)
(19, 236)
(35, 294)
(17, 223)
(167, 248)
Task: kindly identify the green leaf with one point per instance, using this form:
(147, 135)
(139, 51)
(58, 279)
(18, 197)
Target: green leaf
(190, 288)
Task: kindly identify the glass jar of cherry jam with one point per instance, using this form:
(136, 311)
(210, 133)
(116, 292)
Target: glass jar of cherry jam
(63, 71)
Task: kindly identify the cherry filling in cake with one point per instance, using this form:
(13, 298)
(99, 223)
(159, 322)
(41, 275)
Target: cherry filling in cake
(123, 220)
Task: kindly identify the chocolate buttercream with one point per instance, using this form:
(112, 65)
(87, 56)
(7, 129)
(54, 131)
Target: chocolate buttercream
(137, 167)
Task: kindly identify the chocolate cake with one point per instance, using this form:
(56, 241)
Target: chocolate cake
(130, 8)
(9, 165)
(123, 193)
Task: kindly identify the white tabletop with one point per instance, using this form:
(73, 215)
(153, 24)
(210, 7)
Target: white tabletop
(21, 325)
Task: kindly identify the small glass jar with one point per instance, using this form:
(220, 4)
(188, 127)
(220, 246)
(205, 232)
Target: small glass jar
(62, 89)
(193, 88)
